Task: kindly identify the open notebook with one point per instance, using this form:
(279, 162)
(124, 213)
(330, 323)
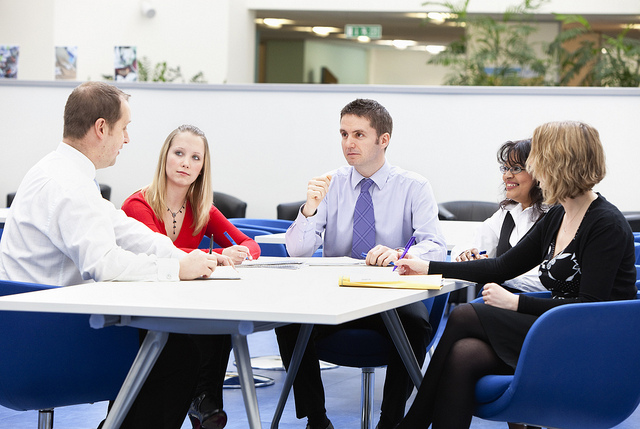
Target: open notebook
(225, 272)
(391, 279)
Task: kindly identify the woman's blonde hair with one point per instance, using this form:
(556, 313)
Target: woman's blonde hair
(200, 193)
(568, 158)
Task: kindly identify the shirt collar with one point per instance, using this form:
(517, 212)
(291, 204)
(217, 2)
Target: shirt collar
(379, 177)
(83, 163)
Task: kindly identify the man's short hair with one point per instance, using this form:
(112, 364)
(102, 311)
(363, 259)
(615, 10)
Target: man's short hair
(375, 112)
(89, 102)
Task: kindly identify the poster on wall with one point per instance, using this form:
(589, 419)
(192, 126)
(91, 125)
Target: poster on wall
(66, 62)
(9, 61)
(126, 64)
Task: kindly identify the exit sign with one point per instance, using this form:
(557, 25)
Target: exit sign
(353, 31)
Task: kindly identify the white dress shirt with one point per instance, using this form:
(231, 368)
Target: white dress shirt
(403, 203)
(488, 233)
(60, 231)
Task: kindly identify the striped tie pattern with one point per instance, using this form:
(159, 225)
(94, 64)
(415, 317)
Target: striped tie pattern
(364, 228)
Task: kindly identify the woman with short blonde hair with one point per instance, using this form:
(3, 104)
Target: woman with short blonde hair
(569, 156)
(584, 248)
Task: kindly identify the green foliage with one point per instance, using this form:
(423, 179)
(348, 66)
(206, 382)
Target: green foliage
(494, 51)
(163, 73)
(603, 60)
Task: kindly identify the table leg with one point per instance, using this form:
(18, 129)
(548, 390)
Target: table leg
(149, 351)
(296, 358)
(243, 361)
(399, 337)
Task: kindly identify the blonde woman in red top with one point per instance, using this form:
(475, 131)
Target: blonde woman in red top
(179, 204)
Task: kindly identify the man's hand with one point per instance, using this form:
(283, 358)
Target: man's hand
(382, 256)
(200, 264)
(316, 191)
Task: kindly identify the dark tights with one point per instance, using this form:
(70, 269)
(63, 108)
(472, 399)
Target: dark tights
(463, 355)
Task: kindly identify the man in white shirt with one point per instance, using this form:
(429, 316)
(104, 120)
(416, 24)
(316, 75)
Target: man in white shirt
(403, 206)
(60, 231)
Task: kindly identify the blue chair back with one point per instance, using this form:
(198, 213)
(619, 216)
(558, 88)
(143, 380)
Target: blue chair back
(49, 360)
(266, 249)
(274, 226)
(577, 369)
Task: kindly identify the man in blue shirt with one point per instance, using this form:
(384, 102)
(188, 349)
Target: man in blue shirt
(398, 204)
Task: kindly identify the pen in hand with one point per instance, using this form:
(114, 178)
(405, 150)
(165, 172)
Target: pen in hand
(406, 249)
(211, 245)
(232, 241)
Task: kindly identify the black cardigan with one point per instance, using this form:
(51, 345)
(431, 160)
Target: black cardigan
(604, 251)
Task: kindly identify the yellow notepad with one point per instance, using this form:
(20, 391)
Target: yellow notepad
(393, 280)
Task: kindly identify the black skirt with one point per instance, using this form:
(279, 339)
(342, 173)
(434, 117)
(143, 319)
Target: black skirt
(506, 330)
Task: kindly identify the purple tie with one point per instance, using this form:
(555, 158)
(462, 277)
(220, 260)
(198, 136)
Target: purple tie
(364, 228)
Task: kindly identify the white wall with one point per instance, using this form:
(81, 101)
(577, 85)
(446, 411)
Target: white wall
(194, 35)
(268, 140)
(32, 32)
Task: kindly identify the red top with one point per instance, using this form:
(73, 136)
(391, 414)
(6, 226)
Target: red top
(137, 207)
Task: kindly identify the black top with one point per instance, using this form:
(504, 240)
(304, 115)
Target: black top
(603, 252)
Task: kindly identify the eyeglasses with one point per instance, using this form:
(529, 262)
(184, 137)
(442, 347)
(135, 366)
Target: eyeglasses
(514, 170)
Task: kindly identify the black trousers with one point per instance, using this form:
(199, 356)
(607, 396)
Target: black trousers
(307, 386)
(166, 395)
(214, 359)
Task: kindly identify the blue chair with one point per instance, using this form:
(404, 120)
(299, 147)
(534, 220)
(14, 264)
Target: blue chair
(49, 360)
(274, 226)
(367, 349)
(266, 249)
(578, 368)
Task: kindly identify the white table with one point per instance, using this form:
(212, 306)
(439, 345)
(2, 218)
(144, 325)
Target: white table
(455, 232)
(263, 299)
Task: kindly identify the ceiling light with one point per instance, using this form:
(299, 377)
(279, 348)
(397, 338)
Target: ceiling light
(435, 49)
(323, 31)
(275, 22)
(403, 44)
(363, 39)
(437, 17)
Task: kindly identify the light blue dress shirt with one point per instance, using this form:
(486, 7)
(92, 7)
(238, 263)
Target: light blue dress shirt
(404, 205)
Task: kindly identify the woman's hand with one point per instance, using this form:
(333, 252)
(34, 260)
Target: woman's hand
(470, 255)
(237, 254)
(409, 265)
(497, 296)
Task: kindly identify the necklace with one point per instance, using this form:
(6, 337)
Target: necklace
(173, 215)
(569, 222)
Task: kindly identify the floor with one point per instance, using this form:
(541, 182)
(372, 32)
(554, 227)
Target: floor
(343, 401)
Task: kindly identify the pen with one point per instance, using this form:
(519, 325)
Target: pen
(226, 234)
(211, 245)
(406, 249)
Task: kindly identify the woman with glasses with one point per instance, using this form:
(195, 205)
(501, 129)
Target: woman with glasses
(519, 211)
(585, 253)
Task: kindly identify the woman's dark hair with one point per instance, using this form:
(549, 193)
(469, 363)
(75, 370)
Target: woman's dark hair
(516, 153)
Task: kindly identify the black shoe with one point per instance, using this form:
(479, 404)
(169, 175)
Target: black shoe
(206, 419)
(329, 426)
